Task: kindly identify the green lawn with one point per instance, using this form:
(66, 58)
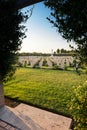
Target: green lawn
(49, 89)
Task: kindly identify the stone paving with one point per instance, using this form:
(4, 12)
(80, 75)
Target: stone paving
(17, 120)
(25, 117)
(46, 120)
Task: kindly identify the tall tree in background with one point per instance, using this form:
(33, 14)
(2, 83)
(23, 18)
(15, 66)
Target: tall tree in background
(11, 34)
(70, 19)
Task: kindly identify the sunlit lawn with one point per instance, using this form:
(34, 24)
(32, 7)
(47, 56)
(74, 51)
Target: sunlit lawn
(49, 89)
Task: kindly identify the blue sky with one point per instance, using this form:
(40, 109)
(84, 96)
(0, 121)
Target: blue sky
(41, 35)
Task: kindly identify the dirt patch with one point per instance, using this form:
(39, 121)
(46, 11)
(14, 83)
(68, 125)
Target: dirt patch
(11, 103)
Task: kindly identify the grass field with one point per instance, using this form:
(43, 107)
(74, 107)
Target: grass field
(49, 89)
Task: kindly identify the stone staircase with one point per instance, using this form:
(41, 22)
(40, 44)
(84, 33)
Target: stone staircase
(25, 117)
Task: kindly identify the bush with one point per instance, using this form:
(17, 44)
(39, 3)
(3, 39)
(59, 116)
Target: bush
(25, 64)
(45, 62)
(65, 67)
(19, 64)
(79, 107)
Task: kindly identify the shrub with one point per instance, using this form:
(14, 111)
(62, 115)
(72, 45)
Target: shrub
(65, 67)
(25, 64)
(45, 62)
(19, 64)
(36, 65)
(79, 107)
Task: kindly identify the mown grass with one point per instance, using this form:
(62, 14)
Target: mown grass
(49, 89)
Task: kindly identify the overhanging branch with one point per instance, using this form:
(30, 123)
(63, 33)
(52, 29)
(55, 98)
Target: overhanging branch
(19, 4)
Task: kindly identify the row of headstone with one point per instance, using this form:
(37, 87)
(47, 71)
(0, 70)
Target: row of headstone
(33, 61)
(62, 61)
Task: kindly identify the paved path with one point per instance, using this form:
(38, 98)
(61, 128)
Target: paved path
(25, 117)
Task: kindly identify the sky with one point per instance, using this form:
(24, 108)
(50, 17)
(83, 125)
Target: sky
(41, 35)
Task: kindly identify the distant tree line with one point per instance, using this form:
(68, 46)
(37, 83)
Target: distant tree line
(58, 52)
(64, 51)
(33, 54)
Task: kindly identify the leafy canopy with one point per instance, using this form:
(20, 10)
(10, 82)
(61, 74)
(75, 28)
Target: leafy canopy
(70, 19)
(11, 34)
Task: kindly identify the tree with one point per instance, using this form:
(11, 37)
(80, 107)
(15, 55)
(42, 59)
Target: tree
(58, 50)
(11, 34)
(70, 19)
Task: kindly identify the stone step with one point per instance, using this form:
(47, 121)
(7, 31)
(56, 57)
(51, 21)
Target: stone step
(17, 119)
(46, 120)
(25, 117)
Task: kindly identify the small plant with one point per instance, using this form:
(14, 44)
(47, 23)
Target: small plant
(29, 63)
(70, 64)
(45, 62)
(19, 64)
(65, 67)
(55, 67)
(36, 65)
(25, 63)
(79, 107)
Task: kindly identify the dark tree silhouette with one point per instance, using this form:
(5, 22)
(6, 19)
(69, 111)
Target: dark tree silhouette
(70, 19)
(11, 34)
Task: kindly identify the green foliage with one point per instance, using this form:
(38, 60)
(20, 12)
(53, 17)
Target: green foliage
(45, 62)
(70, 19)
(33, 54)
(25, 64)
(19, 64)
(11, 35)
(79, 105)
(55, 66)
(49, 89)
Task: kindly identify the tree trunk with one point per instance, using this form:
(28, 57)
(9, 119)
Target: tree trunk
(2, 101)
